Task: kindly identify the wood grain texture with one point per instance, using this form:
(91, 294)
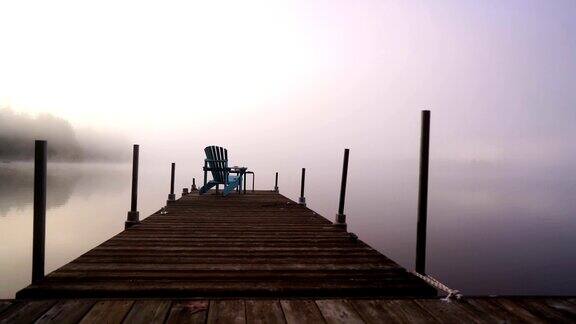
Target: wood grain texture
(264, 312)
(372, 312)
(429, 310)
(148, 311)
(448, 311)
(108, 311)
(301, 311)
(490, 311)
(260, 244)
(191, 311)
(227, 311)
(66, 311)
(551, 314)
(407, 311)
(25, 312)
(337, 311)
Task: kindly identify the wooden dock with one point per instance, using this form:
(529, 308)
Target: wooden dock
(255, 258)
(270, 311)
(261, 244)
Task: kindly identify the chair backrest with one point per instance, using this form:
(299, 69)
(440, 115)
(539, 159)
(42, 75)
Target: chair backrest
(217, 158)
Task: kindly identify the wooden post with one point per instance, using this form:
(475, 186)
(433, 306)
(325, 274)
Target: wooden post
(193, 185)
(133, 215)
(341, 217)
(302, 200)
(39, 227)
(276, 183)
(205, 172)
(245, 176)
(171, 196)
(253, 179)
(423, 194)
(184, 191)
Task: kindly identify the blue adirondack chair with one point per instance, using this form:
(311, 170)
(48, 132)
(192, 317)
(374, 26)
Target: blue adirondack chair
(217, 163)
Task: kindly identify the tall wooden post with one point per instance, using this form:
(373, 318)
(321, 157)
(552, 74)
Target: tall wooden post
(302, 199)
(193, 185)
(39, 223)
(133, 215)
(423, 194)
(341, 217)
(276, 183)
(171, 195)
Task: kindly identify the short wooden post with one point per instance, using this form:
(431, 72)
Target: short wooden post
(133, 215)
(193, 185)
(171, 196)
(423, 194)
(302, 199)
(341, 217)
(276, 183)
(39, 222)
(184, 191)
(205, 172)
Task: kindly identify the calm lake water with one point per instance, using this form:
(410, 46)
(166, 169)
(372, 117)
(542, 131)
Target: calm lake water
(493, 229)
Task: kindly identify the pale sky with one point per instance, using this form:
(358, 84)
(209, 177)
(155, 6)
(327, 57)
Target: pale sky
(499, 76)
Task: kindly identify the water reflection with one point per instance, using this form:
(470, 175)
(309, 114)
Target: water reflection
(86, 204)
(63, 179)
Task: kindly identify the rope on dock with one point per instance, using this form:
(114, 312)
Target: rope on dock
(452, 293)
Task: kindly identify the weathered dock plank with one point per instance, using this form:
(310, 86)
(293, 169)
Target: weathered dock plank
(25, 312)
(338, 311)
(108, 311)
(189, 312)
(264, 312)
(301, 311)
(432, 310)
(255, 245)
(66, 312)
(148, 311)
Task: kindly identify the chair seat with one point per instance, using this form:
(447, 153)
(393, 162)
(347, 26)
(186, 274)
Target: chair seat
(232, 178)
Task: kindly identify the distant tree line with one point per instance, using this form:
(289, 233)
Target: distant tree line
(18, 132)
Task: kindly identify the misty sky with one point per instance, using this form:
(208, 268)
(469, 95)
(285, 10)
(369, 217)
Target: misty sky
(302, 77)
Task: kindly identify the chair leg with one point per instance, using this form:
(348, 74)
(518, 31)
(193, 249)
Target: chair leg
(231, 186)
(206, 187)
